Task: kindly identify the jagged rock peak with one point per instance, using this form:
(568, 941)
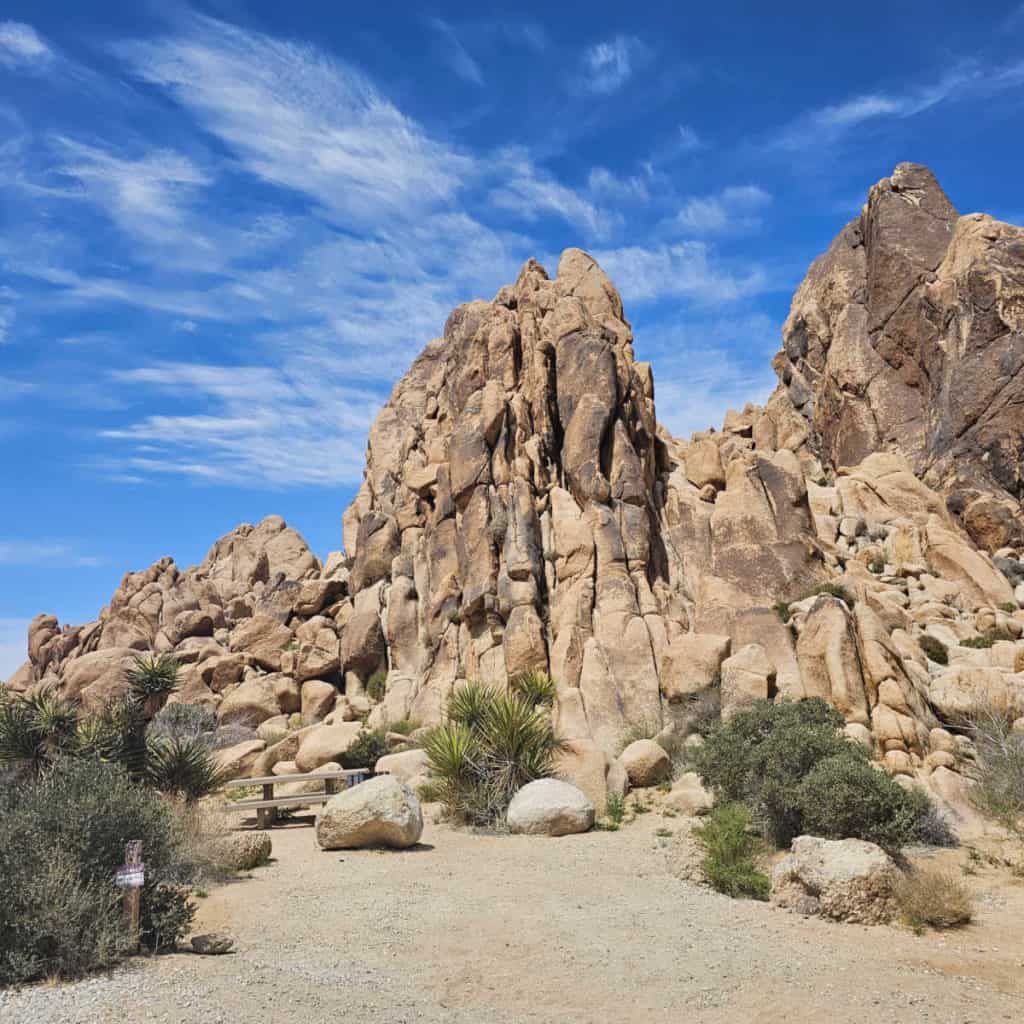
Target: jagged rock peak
(907, 335)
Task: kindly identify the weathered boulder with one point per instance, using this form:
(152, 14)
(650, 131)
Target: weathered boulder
(379, 812)
(688, 795)
(237, 761)
(747, 676)
(550, 807)
(845, 880)
(324, 743)
(646, 763)
(405, 766)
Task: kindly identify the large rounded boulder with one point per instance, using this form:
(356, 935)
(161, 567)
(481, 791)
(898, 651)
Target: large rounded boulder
(550, 807)
(379, 812)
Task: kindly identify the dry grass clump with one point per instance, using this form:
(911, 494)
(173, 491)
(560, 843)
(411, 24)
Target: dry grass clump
(932, 898)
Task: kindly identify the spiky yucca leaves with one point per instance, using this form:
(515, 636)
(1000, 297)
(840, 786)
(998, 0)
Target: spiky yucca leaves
(117, 733)
(35, 729)
(469, 703)
(183, 767)
(535, 688)
(492, 745)
(153, 676)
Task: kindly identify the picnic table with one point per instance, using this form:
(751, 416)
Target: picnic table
(266, 808)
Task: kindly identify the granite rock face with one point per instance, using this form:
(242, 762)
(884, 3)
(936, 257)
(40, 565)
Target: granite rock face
(521, 510)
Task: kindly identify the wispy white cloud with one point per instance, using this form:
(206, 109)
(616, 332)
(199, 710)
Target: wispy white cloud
(297, 118)
(733, 210)
(6, 323)
(530, 193)
(686, 269)
(22, 46)
(608, 65)
(688, 140)
(621, 188)
(455, 53)
(44, 555)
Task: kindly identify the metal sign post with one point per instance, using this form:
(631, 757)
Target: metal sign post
(131, 877)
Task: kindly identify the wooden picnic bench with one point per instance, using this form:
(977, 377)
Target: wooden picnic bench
(266, 808)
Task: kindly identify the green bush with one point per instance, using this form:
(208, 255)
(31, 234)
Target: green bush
(183, 722)
(35, 730)
(843, 797)
(183, 767)
(781, 609)
(977, 642)
(491, 745)
(376, 687)
(153, 676)
(934, 649)
(63, 836)
(730, 849)
(796, 772)
(1009, 607)
(369, 747)
(999, 767)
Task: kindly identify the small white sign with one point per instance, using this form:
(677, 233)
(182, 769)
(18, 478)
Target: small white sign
(131, 876)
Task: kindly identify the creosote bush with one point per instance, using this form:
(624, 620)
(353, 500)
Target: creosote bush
(999, 767)
(64, 835)
(376, 686)
(796, 772)
(730, 849)
(367, 749)
(491, 745)
(929, 897)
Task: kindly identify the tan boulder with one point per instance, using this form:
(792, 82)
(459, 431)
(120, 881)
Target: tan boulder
(259, 698)
(262, 637)
(323, 743)
(318, 699)
(237, 761)
(829, 660)
(704, 464)
(690, 664)
(747, 676)
(379, 812)
(688, 795)
(646, 763)
(405, 766)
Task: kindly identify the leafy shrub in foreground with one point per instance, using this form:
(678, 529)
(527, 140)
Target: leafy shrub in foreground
(796, 772)
(492, 744)
(730, 849)
(63, 836)
(934, 648)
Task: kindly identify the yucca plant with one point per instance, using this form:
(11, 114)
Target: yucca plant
(117, 733)
(183, 767)
(535, 688)
(492, 744)
(35, 729)
(469, 703)
(152, 679)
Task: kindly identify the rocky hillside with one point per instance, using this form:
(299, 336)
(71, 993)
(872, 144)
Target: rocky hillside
(521, 509)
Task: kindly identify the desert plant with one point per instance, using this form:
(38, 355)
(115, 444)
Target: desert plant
(367, 749)
(977, 642)
(615, 808)
(491, 745)
(376, 686)
(183, 722)
(929, 897)
(35, 730)
(877, 566)
(999, 766)
(781, 608)
(404, 726)
(153, 676)
(934, 649)
(535, 688)
(1009, 607)
(183, 767)
(843, 797)
(66, 830)
(231, 735)
(729, 851)
(796, 772)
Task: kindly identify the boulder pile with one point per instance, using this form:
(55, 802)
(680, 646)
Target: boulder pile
(523, 510)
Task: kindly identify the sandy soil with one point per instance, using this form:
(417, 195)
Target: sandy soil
(586, 928)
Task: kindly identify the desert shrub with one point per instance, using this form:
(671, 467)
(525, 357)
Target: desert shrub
(729, 851)
(928, 897)
(535, 688)
(843, 797)
(183, 722)
(491, 745)
(153, 676)
(934, 649)
(877, 566)
(781, 608)
(231, 735)
(69, 827)
(615, 808)
(376, 686)
(977, 642)
(999, 767)
(1009, 607)
(183, 767)
(404, 726)
(703, 710)
(369, 747)
(792, 767)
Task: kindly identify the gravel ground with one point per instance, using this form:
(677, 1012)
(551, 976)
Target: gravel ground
(471, 928)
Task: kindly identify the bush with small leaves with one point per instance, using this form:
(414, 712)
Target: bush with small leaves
(934, 649)
(978, 643)
(369, 747)
(730, 849)
(1009, 607)
(69, 828)
(999, 766)
(183, 722)
(781, 609)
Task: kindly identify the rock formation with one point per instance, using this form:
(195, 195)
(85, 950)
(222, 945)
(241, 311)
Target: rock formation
(522, 510)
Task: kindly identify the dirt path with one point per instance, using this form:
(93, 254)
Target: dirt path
(510, 929)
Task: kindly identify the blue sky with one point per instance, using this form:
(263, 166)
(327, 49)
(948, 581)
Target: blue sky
(226, 229)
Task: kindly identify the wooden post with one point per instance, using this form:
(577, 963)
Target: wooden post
(265, 815)
(132, 898)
